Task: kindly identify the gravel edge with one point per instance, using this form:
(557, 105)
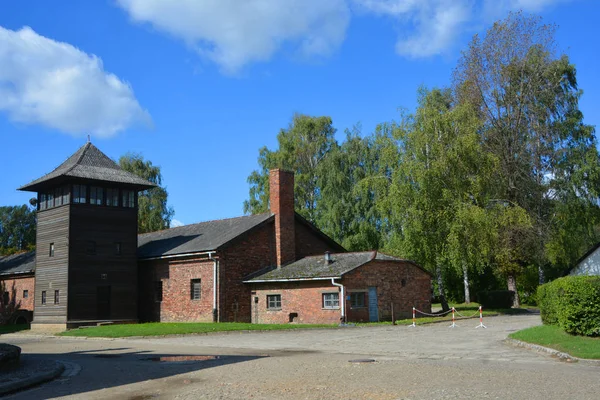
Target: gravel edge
(559, 354)
(32, 380)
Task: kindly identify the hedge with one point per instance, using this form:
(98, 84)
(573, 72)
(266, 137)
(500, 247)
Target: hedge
(572, 303)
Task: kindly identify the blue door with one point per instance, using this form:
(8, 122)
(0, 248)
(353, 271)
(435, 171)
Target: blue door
(373, 310)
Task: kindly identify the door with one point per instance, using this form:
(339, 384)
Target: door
(373, 309)
(103, 302)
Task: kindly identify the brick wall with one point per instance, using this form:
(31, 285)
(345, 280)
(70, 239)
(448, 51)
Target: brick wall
(252, 252)
(21, 284)
(398, 282)
(309, 243)
(176, 276)
(303, 298)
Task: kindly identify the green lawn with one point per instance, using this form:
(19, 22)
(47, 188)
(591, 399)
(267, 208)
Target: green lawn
(555, 338)
(13, 328)
(179, 328)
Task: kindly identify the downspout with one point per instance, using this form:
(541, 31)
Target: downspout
(215, 277)
(343, 302)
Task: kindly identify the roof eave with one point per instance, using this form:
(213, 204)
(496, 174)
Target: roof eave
(292, 279)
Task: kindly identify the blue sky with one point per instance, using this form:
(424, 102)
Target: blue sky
(198, 87)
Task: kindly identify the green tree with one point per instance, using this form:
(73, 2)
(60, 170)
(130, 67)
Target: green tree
(153, 212)
(302, 147)
(527, 99)
(17, 229)
(439, 173)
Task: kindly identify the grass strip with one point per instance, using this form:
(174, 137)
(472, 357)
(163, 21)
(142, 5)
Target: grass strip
(181, 328)
(555, 338)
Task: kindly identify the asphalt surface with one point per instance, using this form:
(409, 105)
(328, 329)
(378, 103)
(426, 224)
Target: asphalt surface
(426, 362)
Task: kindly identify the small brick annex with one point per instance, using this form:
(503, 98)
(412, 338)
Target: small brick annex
(394, 285)
(20, 290)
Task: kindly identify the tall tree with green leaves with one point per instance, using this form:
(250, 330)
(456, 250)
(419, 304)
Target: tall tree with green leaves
(17, 229)
(440, 172)
(302, 147)
(527, 98)
(153, 211)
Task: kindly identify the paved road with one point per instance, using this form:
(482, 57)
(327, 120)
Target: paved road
(427, 362)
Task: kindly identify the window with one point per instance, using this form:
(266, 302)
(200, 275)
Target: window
(128, 199)
(195, 289)
(79, 194)
(56, 297)
(51, 250)
(58, 196)
(96, 195)
(112, 197)
(65, 195)
(49, 200)
(42, 201)
(158, 291)
(331, 300)
(274, 301)
(25, 293)
(90, 248)
(43, 297)
(118, 248)
(357, 299)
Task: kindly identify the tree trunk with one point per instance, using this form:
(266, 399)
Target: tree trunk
(466, 284)
(441, 291)
(511, 281)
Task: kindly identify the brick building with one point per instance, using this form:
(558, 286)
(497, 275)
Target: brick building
(18, 281)
(267, 268)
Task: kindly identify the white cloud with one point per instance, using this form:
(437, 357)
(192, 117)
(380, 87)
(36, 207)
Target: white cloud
(175, 223)
(233, 33)
(56, 85)
(430, 27)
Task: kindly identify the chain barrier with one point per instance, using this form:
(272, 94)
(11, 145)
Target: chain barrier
(453, 311)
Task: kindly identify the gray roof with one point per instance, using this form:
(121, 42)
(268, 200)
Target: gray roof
(89, 163)
(23, 263)
(194, 238)
(315, 267)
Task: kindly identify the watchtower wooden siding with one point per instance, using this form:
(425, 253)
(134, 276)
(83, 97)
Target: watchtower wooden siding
(52, 271)
(111, 267)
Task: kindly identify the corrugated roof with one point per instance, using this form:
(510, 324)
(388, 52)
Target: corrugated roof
(22, 263)
(193, 238)
(315, 267)
(89, 163)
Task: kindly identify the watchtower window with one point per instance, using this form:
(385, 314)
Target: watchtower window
(112, 197)
(96, 195)
(51, 250)
(58, 197)
(79, 194)
(43, 297)
(42, 201)
(128, 199)
(49, 200)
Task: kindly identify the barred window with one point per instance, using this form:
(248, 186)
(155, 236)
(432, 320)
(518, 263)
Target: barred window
(56, 297)
(274, 301)
(43, 297)
(331, 300)
(195, 289)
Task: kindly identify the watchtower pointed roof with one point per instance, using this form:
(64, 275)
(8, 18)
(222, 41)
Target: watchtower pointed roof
(88, 163)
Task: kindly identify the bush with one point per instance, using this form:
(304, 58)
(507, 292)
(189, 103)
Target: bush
(496, 298)
(572, 303)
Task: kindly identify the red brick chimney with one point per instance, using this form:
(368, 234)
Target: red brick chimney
(281, 185)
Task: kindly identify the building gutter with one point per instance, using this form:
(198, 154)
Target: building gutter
(343, 299)
(291, 280)
(215, 311)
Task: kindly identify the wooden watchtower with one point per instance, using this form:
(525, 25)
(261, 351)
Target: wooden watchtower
(86, 265)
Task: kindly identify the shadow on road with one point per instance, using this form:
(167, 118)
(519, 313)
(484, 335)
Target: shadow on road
(109, 368)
